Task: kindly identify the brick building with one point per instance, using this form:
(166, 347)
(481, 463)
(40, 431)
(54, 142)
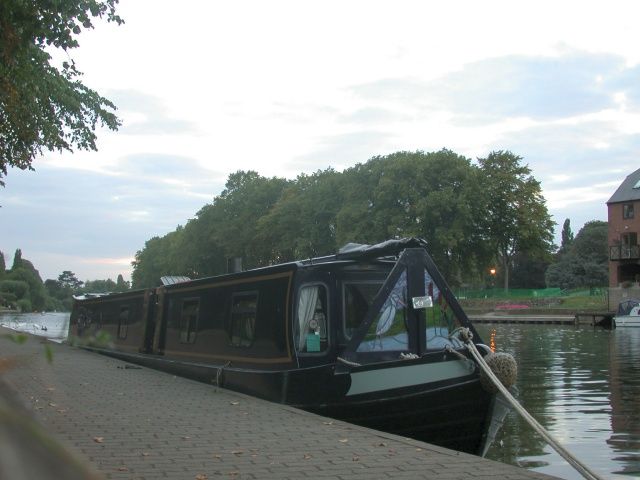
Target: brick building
(624, 229)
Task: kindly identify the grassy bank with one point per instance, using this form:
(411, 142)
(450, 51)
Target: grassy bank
(561, 305)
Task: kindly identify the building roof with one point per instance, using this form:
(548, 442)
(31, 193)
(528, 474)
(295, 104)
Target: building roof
(628, 190)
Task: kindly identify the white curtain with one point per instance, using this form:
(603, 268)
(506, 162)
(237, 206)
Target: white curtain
(306, 309)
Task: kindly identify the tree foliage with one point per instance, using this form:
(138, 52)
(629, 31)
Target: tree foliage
(585, 263)
(22, 287)
(516, 220)
(43, 106)
(566, 236)
(23, 271)
(439, 196)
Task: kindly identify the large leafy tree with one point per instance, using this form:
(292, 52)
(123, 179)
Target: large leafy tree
(516, 220)
(430, 195)
(44, 106)
(585, 263)
(302, 223)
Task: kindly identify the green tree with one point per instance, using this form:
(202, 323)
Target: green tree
(24, 271)
(302, 223)
(17, 259)
(121, 284)
(99, 286)
(516, 219)
(155, 260)
(43, 106)
(3, 266)
(586, 262)
(247, 197)
(436, 196)
(567, 236)
(68, 281)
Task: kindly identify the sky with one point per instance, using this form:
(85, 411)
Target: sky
(207, 88)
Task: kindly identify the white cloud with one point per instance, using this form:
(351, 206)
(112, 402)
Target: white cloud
(284, 87)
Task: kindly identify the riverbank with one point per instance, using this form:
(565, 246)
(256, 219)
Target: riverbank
(128, 422)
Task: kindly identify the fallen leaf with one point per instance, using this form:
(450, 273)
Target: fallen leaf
(382, 444)
(418, 449)
(233, 474)
(51, 404)
(186, 438)
(307, 456)
(217, 456)
(98, 439)
(343, 440)
(237, 452)
(61, 410)
(51, 389)
(201, 476)
(235, 403)
(356, 458)
(145, 454)
(123, 469)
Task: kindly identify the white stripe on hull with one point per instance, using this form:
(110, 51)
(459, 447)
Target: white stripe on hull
(408, 376)
(627, 321)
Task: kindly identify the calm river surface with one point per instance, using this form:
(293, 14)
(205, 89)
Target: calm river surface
(581, 384)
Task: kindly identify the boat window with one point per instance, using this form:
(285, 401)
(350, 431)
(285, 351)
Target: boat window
(188, 325)
(388, 331)
(311, 326)
(357, 298)
(243, 318)
(123, 321)
(440, 319)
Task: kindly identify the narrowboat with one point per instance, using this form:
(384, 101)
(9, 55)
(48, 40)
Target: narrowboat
(367, 336)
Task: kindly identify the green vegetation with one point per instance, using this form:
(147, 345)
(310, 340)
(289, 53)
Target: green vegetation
(439, 196)
(43, 106)
(21, 287)
(583, 261)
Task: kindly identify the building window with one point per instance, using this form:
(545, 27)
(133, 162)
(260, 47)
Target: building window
(188, 325)
(123, 322)
(244, 307)
(627, 210)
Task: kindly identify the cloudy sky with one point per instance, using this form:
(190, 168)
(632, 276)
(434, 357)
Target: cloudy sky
(205, 88)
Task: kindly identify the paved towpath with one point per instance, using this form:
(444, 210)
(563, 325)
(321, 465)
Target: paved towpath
(129, 422)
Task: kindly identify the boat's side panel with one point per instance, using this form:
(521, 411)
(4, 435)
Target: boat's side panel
(119, 320)
(244, 322)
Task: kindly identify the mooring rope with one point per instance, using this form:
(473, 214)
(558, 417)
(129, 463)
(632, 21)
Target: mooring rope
(466, 336)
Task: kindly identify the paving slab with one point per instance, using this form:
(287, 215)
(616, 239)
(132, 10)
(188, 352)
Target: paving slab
(129, 422)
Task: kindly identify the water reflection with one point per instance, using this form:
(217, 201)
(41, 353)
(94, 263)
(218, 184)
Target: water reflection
(582, 385)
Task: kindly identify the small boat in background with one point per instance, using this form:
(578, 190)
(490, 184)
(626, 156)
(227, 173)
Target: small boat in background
(628, 314)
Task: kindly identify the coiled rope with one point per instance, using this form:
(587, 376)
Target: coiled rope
(466, 336)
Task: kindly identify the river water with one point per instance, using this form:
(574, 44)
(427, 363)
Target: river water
(581, 384)
(53, 325)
